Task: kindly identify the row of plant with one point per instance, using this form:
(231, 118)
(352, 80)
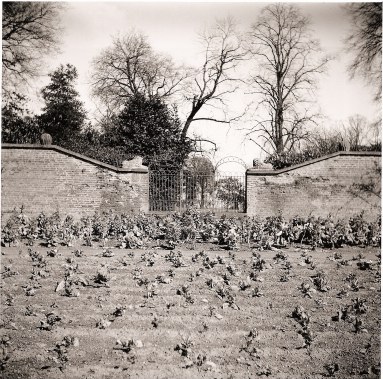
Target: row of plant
(137, 230)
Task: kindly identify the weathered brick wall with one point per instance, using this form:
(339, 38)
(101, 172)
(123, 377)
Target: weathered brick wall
(341, 184)
(50, 178)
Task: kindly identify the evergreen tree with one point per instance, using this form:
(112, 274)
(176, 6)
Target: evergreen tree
(18, 125)
(63, 115)
(149, 128)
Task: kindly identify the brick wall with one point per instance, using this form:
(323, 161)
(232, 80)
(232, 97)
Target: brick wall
(50, 178)
(342, 184)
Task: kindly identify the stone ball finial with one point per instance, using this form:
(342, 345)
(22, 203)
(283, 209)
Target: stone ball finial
(46, 139)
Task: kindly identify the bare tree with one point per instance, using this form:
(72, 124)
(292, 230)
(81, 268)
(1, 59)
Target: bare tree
(287, 62)
(30, 31)
(216, 78)
(130, 67)
(365, 40)
(358, 133)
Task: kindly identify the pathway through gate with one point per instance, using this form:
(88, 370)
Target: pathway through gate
(179, 190)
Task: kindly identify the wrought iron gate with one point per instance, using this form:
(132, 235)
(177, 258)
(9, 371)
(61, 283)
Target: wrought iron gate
(174, 191)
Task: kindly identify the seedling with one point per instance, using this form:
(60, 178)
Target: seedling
(258, 264)
(365, 265)
(288, 266)
(119, 311)
(358, 325)
(184, 347)
(320, 281)
(175, 259)
(284, 278)
(107, 253)
(359, 306)
(210, 283)
(307, 290)
(353, 282)
(70, 290)
(52, 253)
(307, 335)
(244, 285)
(280, 257)
(300, 315)
(78, 253)
(8, 272)
(30, 291)
(102, 276)
(162, 279)
(156, 322)
(332, 369)
(341, 294)
(226, 278)
(4, 355)
(29, 311)
(232, 270)
(184, 291)
(51, 320)
(151, 290)
(9, 300)
(103, 324)
(256, 292)
(251, 343)
(209, 263)
(149, 258)
(338, 255)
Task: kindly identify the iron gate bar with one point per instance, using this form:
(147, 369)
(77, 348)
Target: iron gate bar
(178, 190)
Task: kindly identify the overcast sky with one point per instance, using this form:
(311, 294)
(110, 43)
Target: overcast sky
(172, 28)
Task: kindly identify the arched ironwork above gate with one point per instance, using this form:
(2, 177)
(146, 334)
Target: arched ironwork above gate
(231, 159)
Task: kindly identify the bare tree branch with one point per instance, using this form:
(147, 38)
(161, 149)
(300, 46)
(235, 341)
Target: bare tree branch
(223, 52)
(130, 67)
(286, 66)
(365, 41)
(30, 32)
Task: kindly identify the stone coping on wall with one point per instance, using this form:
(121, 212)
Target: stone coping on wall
(270, 172)
(142, 169)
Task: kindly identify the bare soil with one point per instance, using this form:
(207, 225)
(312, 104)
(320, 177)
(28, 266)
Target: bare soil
(178, 322)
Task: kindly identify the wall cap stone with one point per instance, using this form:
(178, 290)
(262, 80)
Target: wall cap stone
(263, 172)
(59, 149)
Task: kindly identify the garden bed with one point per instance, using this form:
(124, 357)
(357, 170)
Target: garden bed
(189, 311)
